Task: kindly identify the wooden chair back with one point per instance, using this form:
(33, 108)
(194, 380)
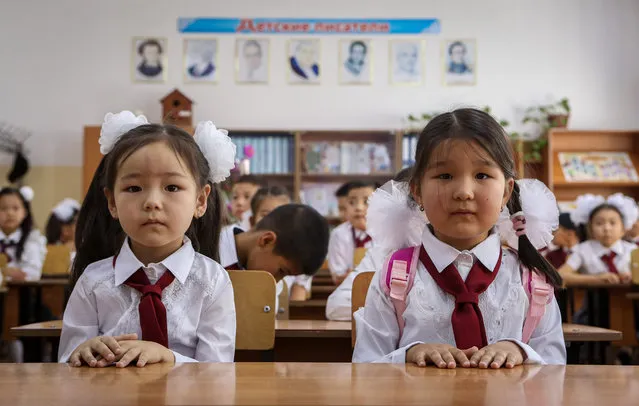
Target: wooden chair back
(634, 266)
(254, 293)
(358, 299)
(283, 299)
(57, 261)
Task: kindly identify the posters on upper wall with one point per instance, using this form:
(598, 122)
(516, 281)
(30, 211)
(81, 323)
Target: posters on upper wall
(200, 60)
(303, 61)
(251, 60)
(406, 62)
(460, 62)
(149, 62)
(355, 62)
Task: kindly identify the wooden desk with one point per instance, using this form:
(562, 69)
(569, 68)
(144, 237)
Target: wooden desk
(579, 333)
(312, 328)
(317, 384)
(633, 296)
(48, 291)
(312, 309)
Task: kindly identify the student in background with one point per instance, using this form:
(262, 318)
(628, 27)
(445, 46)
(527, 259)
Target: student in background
(605, 257)
(349, 241)
(463, 299)
(21, 243)
(566, 239)
(241, 194)
(342, 199)
(265, 201)
(146, 287)
(61, 223)
(338, 305)
(633, 234)
(290, 240)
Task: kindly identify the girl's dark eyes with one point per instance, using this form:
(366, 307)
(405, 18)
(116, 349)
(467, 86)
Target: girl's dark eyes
(132, 189)
(172, 188)
(446, 176)
(482, 176)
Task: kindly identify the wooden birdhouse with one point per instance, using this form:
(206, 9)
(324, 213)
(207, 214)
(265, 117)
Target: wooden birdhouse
(177, 109)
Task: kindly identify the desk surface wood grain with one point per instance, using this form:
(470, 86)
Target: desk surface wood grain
(301, 383)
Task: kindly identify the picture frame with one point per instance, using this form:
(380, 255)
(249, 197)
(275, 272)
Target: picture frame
(355, 62)
(406, 62)
(303, 61)
(149, 62)
(459, 62)
(200, 60)
(252, 56)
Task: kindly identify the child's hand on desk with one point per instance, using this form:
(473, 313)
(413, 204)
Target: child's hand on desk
(146, 352)
(608, 277)
(442, 355)
(15, 274)
(625, 277)
(105, 348)
(498, 354)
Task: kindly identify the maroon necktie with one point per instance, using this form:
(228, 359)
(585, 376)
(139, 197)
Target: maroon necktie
(152, 310)
(467, 321)
(557, 257)
(4, 245)
(360, 242)
(609, 260)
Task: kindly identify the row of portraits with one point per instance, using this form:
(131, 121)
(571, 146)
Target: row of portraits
(303, 62)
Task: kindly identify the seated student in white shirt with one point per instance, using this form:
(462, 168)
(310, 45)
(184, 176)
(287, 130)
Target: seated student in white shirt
(22, 244)
(467, 305)
(263, 202)
(605, 258)
(241, 194)
(341, 194)
(349, 240)
(338, 304)
(60, 229)
(290, 240)
(146, 289)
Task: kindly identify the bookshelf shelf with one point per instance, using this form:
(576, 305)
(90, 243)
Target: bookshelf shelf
(562, 140)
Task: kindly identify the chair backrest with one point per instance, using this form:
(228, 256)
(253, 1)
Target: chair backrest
(634, 266)
(254, 293)
(360, 289)
(57, 261)
(282, 311)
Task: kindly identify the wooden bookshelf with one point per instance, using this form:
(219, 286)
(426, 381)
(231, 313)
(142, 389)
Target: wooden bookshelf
(565, 140)
(294, 179)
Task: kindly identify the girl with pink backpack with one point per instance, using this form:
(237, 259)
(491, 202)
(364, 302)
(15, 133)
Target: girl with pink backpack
(459, 298)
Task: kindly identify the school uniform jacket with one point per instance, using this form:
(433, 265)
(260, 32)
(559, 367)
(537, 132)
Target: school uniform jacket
(427, 317)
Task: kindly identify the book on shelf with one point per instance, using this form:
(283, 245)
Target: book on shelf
(345, 158)
(273, 153)
(321, 196)
(409, 148)
(597, 167)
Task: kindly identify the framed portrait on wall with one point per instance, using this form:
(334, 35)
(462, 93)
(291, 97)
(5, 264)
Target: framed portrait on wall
(303, 61)
(406, 62)
(200, 60)
(149, 62)
(355, 66)
(459, 62)
(251, 60)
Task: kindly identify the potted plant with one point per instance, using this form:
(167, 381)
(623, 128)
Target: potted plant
(549, 115)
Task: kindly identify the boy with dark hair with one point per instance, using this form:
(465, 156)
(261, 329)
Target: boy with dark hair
(342, 196)
(566, 237)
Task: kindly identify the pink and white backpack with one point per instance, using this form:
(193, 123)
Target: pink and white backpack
(399, 273)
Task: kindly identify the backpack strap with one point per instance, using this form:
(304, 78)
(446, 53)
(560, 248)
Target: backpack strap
(397, 279)
(539, 293)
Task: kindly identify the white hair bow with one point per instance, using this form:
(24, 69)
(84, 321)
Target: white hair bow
(65, 209)
(585, 204)
(116, 125)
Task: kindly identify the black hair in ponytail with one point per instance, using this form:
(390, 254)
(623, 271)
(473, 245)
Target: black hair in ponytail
(99, 236)
(478, 126)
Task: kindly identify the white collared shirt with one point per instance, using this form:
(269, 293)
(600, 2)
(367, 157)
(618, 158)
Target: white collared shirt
(586, 257)
(228, 250)
(199, 303)
(341, 248)
(429, 309)
(35, 250)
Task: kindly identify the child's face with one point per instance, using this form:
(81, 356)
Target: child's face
(341, 207)
(269, 204)
(241, 198)
(67, 233)
(155, 197)
(12, 213)
(262, 258)
(607, 227)
(463, 191)
(564, 237)
(357, 206)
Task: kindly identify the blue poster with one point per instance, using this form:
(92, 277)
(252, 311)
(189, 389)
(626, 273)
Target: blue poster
(308, 26)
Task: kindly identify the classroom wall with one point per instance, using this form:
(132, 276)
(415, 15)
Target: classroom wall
(66, 63)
